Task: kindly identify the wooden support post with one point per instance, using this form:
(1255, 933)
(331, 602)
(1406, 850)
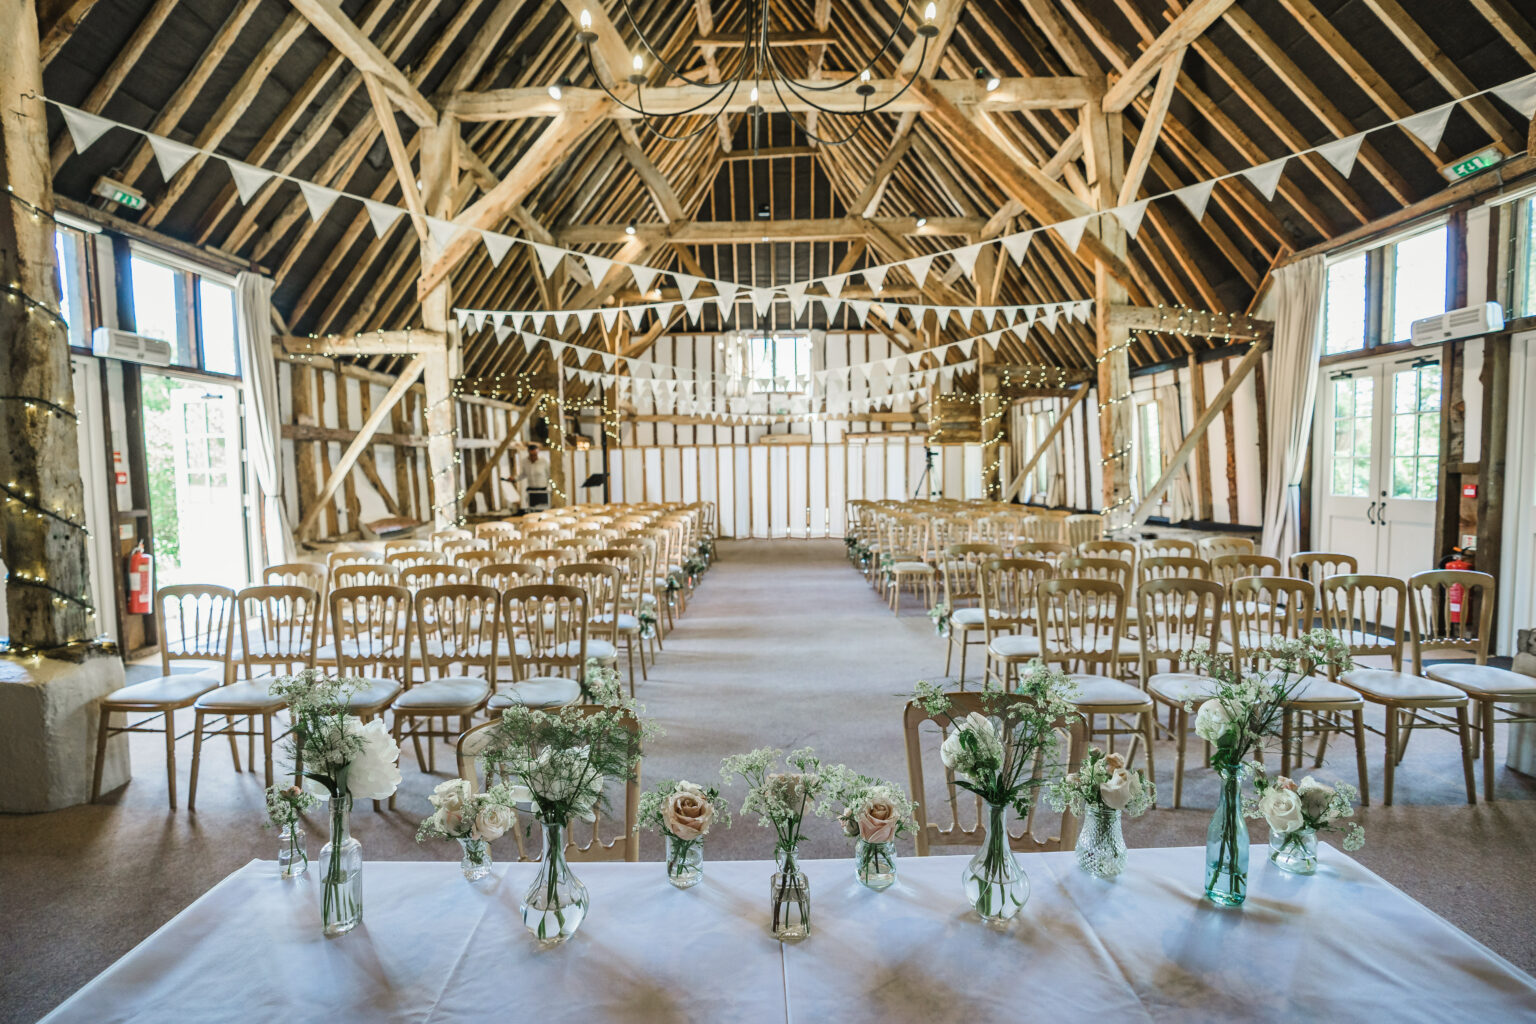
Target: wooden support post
(994, 433)
(359, 443)
(42, 532)
(1203, 449)
(1049, 439)
(1154, 494)
(439, 175)
(1490, 491)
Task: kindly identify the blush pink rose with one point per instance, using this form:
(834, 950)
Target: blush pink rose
(877, 821)
(687, 813)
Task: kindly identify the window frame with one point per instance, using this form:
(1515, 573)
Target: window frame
(798, 384)
(1380, 296)
(189, 312)
(85, 279)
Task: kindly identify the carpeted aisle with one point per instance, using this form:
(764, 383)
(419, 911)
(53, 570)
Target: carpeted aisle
(783, 645)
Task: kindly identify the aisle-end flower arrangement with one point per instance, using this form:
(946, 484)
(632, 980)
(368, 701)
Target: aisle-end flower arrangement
(781, 800)
(347, 759)
(1098, 794)
(875, 814)
(1244, 711)
(993, 753)
(683, 812)
(940, 614)
(284, 806)
(474, 820)
(1297, 812)
(563, 756)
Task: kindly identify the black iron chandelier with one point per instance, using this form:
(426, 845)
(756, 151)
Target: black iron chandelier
(756, 65)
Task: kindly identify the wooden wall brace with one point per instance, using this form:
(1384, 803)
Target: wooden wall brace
(1049, 439)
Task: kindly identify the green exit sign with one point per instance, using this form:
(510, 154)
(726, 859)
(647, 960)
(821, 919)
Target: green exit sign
(1474, 164)
(121, 194)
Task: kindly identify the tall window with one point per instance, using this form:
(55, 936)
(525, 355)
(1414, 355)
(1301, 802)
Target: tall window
(1373, 297)
(1149, 442)
(69, 249)
(194, 313)
(1525, 254)
(779, 363)
(1416, 432)
(1352, 423)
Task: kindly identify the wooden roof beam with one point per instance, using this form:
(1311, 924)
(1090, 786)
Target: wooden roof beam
(1185, 29)
(1152, 126)
(729, 232)
(327, 18)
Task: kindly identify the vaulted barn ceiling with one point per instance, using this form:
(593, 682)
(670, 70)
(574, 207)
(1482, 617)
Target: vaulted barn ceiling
(255, 80)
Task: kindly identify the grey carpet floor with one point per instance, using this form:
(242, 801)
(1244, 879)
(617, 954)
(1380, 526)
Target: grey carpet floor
(783, 645)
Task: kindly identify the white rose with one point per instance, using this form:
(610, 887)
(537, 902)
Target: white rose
(374, 773)
(1116, 790)
(587, 799)
(1314, 797)
(492, 821)
(1211, 721)
(1281, 809)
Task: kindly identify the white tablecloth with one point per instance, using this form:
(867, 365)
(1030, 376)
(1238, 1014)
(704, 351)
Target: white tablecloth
(1343, 945)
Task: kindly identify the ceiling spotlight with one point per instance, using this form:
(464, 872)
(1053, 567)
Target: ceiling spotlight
(763, 212)
(558, 89)
(921, 220)
(991, 80)
(629, 228)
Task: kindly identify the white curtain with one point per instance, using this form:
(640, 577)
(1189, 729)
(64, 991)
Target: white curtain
(1178, 498)
(1292, 394)
(253, 305)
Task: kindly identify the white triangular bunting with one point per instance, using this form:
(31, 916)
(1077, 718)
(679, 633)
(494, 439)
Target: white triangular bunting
(1017, 244)
(1196, 196)
(644, 276)
(860, 309)
(549, 258)
(502, 332)
(584, 318)
(725, 302)
(597, 266)
(1341, 154)
(170, 155)
(1071, 231)
(84, 128)
(762, 300)
(967, 347)
(875, 278)
(1430, 125)
(496, 245)
(1520, 94)
(834, 284)
(382, 216)
(965, 258)
(1266, 177)
(442, 232)
(248, 179)
(829, 306)
(686, 283)
(919, 267)
(1130, 215)
(318, 198)
(693, 307)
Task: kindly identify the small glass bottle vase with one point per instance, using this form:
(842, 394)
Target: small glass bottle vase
(1100, 842)
(789, 894)
(292, 855)
(476, 863)
(994, 882)
(875, 864)
(341, 886)
(1226, 843)
(685, 861)
(556, 903)
(1295, 852)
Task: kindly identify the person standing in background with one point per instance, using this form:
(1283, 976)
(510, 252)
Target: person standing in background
(535, 480)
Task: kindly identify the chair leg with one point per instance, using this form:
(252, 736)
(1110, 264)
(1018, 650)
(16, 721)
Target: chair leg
(267, 722)
(1487, 717)
(1285, 742)
(1148, 728)
(949, 651)
(234, 741)
(1391, 764)
(1465, 733)
(170, 756)
(103, 733)
(198, 721)
(250, 744)
(1321, 722)
(1405, 734)
(1358, 716)
(629, 651)
(1181, 719)
(396, 730)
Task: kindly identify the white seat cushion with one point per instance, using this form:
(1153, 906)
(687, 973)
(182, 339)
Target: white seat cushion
(1485, 680)
(922, 567)
(248, 695)
(448, 692)
(1015, 646)
(627, 623)
(1099, 691)
(602, 650)
(172, 689)
(1181, 687)
(968, 617)
(1315, 690)
(372, 693)
(539, 692)
(1383, 684)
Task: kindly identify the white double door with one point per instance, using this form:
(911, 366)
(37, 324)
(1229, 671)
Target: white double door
(1376, 463)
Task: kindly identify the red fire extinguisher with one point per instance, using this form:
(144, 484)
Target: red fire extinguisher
(1454, 597)
(140, 588)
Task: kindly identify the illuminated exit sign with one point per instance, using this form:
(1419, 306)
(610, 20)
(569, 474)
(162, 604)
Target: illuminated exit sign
(1474, 164)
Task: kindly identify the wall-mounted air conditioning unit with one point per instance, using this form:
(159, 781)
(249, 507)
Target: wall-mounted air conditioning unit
(1484, 318)
(129, 347)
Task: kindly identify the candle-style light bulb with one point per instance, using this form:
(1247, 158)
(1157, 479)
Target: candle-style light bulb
(754, 94)
(931, 11)
(864, 75)
(639, 63)
(586, 18)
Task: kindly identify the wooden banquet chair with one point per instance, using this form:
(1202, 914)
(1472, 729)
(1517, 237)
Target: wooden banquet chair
(456, 628)
(1008, 587)
(545, 629)
(1175, 614)
(604, 584)
(961, 569)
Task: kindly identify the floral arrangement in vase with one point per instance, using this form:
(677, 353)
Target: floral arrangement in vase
(940, 613)
(344, 759)
(993, 753)
(562, 757)
(1296, 812)
(1099, 794)
(780, 800)
(647, 619)
(683, 812)
(1243, 712)
(475, 820)
(875, 814)
(284, 806)
(600, 684)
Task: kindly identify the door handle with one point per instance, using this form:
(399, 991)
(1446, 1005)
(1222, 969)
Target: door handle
(1368, 510)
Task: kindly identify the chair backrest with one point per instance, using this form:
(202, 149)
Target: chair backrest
(1008, 594)
(1173, 613)
(1163, 547)
(371, 630)
(578, 544)
(1451, 610)
(603, 583)
(1212, 547)
(1225, 569)
(336, 559)
(296, 574)
(1084, 527)
(1265, 608)
(1051, 551)
(1366, 613)
(1317, 566)
(631, 565)
(457, 625)
(547, 558)
(279, 628)
(414, 577)
(1162, 567)
(1112, 569)
(406, 544)
(495, 530)
(1080, 622)
(906, 538)
(364, 574)
(553, 620)
(930, 831)
(197, 623)
(472, 560)
(505, 575)
(962, 567)
(405, 559)
(586, 842)
(1044, 529)
(1123, 550)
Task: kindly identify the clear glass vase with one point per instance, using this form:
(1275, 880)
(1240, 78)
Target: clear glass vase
(292, 854)
(1226, 843)
(994, 882)
(685, 861)
(1100, 842)
(1295, 852)
(875, 864)
(476, 863)
(341, 888)
(789, 895)
(556, 903)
